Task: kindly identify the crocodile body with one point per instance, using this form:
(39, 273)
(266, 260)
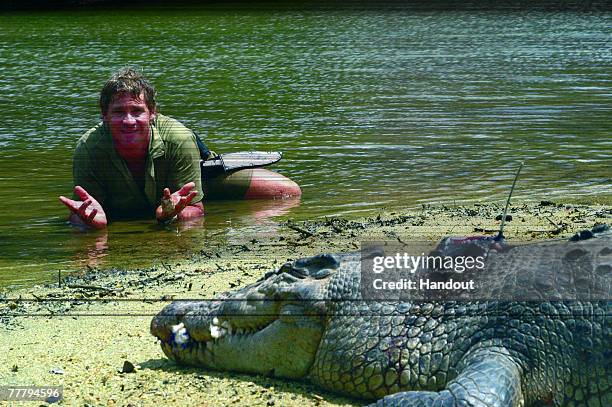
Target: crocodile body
(309, 321)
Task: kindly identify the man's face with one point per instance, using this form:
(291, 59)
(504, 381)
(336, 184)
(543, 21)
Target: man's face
(128, 117)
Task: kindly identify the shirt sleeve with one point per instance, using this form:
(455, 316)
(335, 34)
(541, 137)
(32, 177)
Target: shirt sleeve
(186, 161)
(85, 175)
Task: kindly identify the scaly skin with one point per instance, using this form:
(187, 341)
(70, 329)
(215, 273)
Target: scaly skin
(308, 321)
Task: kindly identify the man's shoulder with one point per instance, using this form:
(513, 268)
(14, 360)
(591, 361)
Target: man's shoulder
(168, 123)
(93, 136)
(94, 141)
(171, 130)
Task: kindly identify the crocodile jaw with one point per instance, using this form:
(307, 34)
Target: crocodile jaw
(271, 327)
(282, 346)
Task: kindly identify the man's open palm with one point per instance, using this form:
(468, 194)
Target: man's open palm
(173, 204)
(87, 210)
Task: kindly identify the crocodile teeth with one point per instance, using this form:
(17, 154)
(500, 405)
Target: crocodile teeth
(180, 334)
(228, 326)
(217, 331)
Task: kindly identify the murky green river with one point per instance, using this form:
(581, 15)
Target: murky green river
(372, 109)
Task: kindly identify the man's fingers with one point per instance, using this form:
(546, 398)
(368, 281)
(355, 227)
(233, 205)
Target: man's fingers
(181, 204)
(83, 209)
(81, 193)
(190, 197)
(186, 188)
(92, 215)
(72, 205)
(184, 201)
(181, 199)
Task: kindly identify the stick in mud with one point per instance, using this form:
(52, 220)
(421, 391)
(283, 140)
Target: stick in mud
(500, 235)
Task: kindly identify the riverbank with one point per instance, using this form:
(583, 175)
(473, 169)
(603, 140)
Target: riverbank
(80, 331)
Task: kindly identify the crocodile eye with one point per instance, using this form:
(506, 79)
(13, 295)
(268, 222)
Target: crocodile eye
(320, 274)
(321, 261)
(291, 269)
(298, 272)
(316, 267)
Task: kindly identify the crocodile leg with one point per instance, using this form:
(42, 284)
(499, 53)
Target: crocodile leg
(490, 378)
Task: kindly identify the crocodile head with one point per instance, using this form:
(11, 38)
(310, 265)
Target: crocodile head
(271, 327)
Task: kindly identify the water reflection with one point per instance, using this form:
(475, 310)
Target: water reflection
(270, 210)
(258, 212)
(94, 249)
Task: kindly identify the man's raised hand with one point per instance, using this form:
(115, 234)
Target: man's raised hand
(173, 204)
(87, 211)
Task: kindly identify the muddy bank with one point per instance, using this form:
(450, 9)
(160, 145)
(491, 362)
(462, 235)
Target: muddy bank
(79, 331)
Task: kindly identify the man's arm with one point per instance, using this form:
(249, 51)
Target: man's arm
(88, 196)
(185, 174)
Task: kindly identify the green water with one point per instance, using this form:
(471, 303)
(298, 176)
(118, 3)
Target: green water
(372, 109)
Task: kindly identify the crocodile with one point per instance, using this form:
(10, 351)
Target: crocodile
(309, 320)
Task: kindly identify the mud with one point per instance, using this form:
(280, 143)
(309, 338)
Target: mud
(79, 331)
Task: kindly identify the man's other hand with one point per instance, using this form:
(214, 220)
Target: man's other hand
(87, 211)
(178, 204)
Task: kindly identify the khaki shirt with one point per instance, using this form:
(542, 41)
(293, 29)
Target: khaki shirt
(173, 160)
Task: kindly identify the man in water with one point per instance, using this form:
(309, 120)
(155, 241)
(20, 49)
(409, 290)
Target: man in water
(127, 165)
